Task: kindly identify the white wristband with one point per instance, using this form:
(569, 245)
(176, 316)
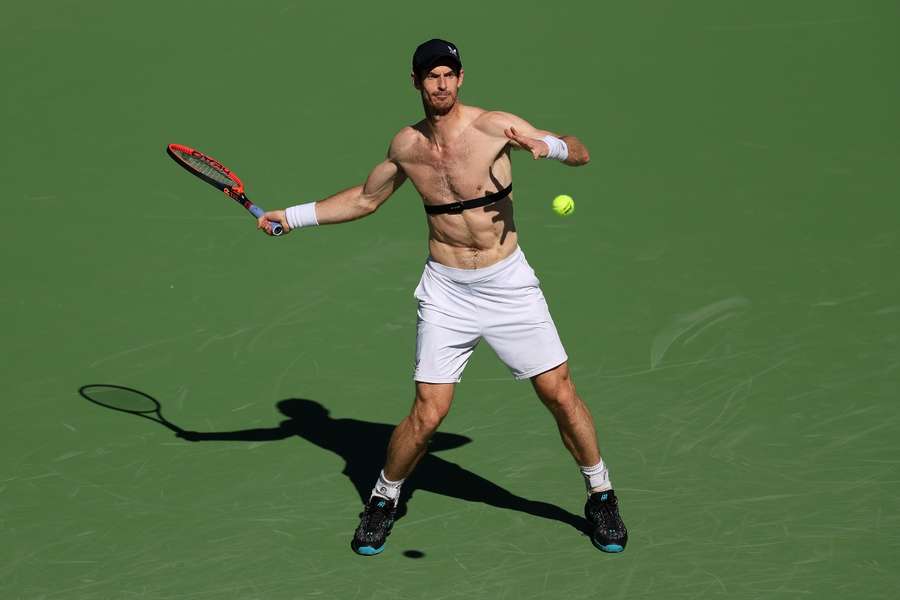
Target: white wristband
(302, 215)
(558, 148)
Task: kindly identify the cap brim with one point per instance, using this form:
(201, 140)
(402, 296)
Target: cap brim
(447, 60)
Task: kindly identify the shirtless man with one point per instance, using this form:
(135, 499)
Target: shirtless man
(476, 283)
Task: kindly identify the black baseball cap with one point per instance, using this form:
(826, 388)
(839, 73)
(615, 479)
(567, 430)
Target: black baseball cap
(434, 52)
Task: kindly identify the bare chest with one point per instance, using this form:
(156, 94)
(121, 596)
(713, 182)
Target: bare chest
(466, 167)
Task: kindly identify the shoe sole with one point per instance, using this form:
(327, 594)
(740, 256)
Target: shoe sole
(612, 548)
(369, 550)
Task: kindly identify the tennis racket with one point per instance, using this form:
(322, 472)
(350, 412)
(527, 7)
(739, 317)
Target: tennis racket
(217, 175)
(127, 400)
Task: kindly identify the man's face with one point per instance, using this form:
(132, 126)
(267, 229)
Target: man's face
(439, 88)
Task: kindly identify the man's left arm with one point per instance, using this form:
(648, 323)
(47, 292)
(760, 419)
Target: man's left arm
(522, 135)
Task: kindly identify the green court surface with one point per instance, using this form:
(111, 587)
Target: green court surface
(727, 290)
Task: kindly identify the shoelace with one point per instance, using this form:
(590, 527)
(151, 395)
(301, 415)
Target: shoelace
(374, 517)
(607, 516)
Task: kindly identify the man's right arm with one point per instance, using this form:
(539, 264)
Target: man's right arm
(348, 205)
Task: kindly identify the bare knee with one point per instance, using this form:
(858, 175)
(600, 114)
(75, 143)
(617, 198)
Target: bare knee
(429, 409)
(556, 390)
(426, 418)
(564, 401)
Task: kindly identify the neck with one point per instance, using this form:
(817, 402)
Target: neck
(441, 125)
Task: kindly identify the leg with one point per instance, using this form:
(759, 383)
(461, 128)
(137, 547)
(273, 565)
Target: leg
(407, 446)
(410, 438)
(576, 425)
(446, 335)
(522, 333)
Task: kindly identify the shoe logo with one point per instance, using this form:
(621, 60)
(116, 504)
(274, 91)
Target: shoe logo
(382, 489)
(381, 504)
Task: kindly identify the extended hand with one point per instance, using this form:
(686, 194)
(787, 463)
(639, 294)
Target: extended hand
(276, 216)
(538, 148)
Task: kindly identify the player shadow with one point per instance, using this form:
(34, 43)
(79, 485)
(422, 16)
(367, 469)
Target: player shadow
(362, 445)
(503, 209)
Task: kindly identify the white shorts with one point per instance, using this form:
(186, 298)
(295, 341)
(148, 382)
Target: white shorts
(502, 303)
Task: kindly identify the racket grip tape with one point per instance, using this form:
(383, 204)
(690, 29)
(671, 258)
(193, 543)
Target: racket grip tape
(257, 212)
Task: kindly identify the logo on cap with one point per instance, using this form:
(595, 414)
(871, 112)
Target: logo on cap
(452, 50)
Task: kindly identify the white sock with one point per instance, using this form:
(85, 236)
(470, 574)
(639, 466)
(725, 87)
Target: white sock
(596, 478)
(387, 488)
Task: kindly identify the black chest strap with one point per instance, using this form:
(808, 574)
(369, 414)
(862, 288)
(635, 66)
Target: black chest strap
(456, 208)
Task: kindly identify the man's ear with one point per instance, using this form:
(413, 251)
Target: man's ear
(415, 81)
(462, 74)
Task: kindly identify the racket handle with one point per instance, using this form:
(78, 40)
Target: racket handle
(257, 212)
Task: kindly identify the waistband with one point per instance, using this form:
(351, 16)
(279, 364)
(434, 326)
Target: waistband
(474, 275)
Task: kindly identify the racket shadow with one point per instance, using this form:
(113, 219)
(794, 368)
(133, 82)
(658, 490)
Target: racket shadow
(127, 400)
(362, 445)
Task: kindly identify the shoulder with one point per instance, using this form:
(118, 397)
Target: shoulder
(495, 122)
(403, 142)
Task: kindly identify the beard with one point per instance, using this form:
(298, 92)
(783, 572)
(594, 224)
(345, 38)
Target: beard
(446, 105)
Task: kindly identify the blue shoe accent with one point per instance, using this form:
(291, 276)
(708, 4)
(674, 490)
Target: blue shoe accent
(607, 531)
(370, 551)
(375, 525)
(608, 547)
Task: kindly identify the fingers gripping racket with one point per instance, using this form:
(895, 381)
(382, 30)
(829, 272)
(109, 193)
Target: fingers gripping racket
(217, 175)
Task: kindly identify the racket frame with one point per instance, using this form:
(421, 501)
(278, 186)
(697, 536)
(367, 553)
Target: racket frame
(153, 414)
(235, 191)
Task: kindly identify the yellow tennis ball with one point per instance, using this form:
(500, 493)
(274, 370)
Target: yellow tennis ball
(563, 205)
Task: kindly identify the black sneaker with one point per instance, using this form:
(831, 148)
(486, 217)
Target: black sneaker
(375, 526)
(608, 532)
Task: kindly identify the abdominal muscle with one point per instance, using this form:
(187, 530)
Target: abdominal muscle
(469, 166)
(475, 238)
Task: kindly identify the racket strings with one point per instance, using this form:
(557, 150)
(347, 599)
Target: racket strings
(207, 169)
(121, 399)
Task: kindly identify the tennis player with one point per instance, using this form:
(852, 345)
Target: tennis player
(476, 283)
